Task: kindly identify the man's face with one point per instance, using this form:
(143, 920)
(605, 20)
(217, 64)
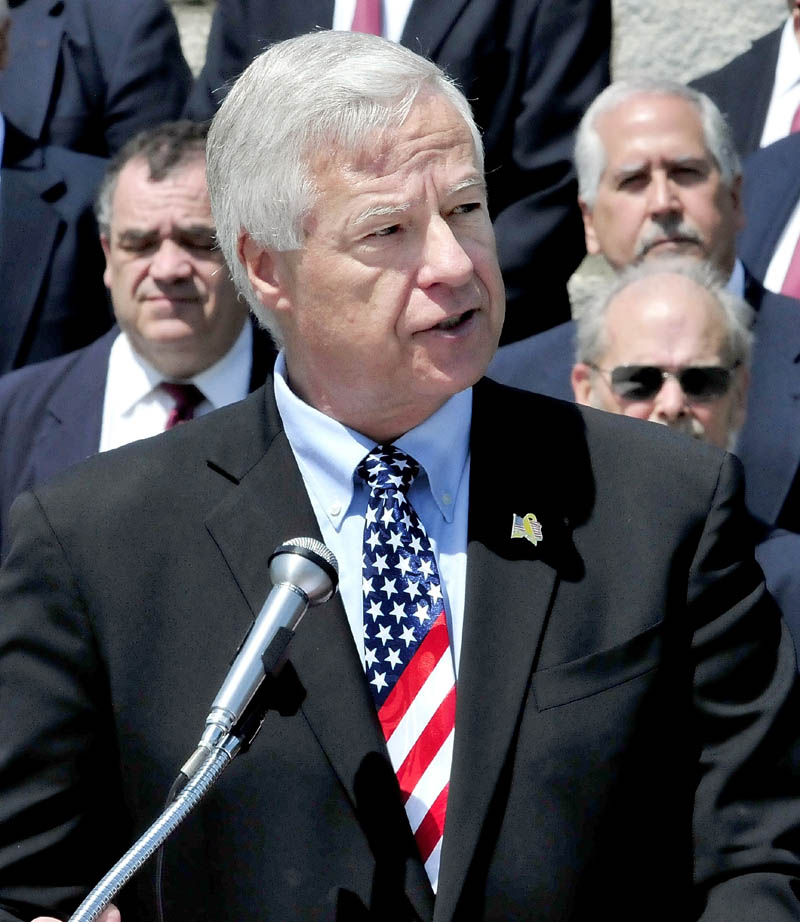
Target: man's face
(395, 301)
(661, 192)
(169, 285)
(670, 322)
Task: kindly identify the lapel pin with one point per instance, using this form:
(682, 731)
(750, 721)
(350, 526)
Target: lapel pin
(526, 527)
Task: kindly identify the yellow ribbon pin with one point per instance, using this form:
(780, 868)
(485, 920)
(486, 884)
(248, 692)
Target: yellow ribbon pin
(526, 527)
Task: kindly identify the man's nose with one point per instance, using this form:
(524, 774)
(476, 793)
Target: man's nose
(663, 197)
(670, 402)
(170, 262)
(444, 258)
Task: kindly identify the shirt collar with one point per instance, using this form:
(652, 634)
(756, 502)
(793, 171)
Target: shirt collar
(787, 69)
(224, 382)
(737, 280)
(330, 451)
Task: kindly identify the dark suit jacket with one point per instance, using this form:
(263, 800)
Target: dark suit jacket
(770, 193)
(769, 443)
(52, 296)
(625, 689)
(530, 69)
(88, 75)
(742, 90)
(51, 414)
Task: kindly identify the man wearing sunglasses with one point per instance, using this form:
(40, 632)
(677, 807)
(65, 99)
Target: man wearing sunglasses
(658, 175)
(666, 342)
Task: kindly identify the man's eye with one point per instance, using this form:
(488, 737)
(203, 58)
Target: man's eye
(466, 208)
(136, 246)
(386, 231)
(633, 182)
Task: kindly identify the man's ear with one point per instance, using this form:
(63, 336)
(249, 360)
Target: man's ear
(592, 246)
(581, 380)
(267, 272)
(104, 243)
(738, 208)
(741, 384)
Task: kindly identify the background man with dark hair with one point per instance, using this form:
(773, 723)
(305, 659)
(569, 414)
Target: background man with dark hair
(180, 324)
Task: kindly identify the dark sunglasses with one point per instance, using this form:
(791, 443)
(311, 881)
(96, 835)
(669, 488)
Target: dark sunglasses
(700, 383)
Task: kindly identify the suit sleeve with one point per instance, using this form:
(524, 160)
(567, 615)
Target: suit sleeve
(147, 77)
(746, 705)
(563, 51)
(59, 798)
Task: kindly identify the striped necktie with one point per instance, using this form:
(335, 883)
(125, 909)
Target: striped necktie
(367, 17)
(409, 664)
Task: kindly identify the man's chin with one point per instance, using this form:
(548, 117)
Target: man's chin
(666, 248)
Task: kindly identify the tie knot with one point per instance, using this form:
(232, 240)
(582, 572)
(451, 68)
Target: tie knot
(187, 398)
(387, 468)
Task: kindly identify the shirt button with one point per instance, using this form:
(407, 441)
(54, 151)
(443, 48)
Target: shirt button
(447, 499)
(334, 508)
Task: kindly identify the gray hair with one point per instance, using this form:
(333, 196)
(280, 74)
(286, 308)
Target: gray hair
(302, 99)
(591, 339)
(590, 153)
(4, 13)
(164, 148)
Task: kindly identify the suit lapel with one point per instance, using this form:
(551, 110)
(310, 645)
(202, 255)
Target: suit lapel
(769, 443)
(510, 589)
(36, 33)
(70, 429)
(428, 25)
(269, 507)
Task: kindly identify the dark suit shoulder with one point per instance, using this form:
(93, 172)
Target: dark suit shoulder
(726, 81)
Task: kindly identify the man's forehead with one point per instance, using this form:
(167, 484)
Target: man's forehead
(668, 298)
(648, 116)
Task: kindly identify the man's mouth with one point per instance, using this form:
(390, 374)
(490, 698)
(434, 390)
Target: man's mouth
(455, 322)
(670, 241)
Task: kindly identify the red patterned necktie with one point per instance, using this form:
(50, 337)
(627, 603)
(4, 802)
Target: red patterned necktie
(795, 126)
(791, 282)
(407, 648)
(367, 17)
(187, 398)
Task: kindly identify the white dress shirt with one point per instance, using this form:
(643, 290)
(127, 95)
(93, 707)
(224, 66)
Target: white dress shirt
(785, 90)
(135, 407)
(395, 14)
(328, 454)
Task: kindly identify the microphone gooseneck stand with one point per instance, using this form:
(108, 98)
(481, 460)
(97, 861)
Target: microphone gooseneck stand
(304, 573)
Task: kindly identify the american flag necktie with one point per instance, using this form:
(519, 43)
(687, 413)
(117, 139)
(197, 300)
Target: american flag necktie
(409, 665)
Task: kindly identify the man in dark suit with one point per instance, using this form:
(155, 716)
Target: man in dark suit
(683, 197)
(89, 76)
(179, 317)
(758, 90)
(51, 262)
(81, 79)
(529, 68)
(625, 690)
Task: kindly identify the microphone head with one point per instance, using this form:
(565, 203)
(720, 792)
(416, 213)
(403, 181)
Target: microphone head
(308, 565)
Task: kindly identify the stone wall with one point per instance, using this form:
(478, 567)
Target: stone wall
(669, 38)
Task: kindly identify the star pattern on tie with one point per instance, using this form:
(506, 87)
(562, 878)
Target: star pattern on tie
(402, 594)
(407, 655)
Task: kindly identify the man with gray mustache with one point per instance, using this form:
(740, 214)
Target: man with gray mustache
(658, 175)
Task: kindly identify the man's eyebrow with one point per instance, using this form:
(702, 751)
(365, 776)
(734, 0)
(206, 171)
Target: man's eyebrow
(473, 182)
(381, 211)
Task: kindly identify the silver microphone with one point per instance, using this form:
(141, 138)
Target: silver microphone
(304, 573)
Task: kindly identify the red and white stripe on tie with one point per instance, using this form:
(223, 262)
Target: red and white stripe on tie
(418, 720)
